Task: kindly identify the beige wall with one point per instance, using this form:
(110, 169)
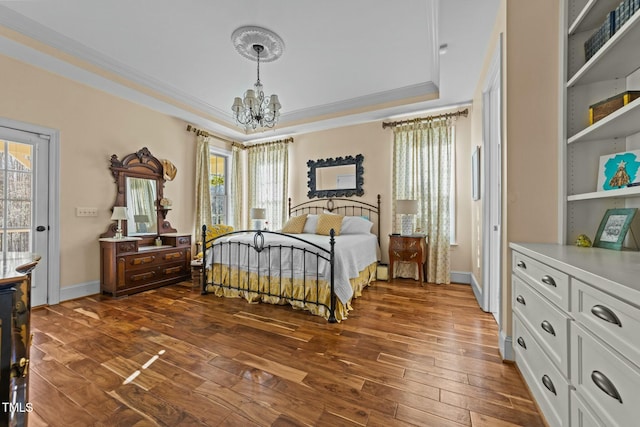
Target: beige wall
(376, 145)
(93, 125)
(530, 131)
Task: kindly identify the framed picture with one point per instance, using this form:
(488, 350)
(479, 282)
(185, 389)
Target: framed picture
(619, 170)
(613, 228)
(475, 173)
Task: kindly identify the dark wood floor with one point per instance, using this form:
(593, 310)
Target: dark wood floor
(407, 355)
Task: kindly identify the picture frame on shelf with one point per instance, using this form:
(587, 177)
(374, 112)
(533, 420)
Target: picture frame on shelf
(619, 170)
(613, 228)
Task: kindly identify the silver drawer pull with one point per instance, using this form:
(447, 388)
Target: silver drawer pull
(548, 328)
(605, 385)
(548, 280)
(522, 265)
(549, 384)
(521, 300)
(521, 343)
(606, 314)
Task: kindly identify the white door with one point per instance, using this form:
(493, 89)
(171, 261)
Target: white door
(492, 199)
(24, 217)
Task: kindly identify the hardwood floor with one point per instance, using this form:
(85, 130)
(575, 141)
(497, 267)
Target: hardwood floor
(407, 355)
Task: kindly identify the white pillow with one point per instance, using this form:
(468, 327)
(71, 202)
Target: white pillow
(355, 225)
(311, 224)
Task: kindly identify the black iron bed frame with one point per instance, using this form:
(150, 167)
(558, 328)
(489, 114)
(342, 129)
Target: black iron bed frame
(357, 208)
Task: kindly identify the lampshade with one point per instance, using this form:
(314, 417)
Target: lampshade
(119, 212)
(406, 207)
(258, 213)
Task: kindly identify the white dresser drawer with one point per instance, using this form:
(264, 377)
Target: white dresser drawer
(548, 324)
(549, 388)
(581, 414)
(614, 321)
(550, 282)
(608, 383)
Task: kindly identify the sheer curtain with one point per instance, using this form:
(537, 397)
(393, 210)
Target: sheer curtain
(268, 181)
(422, 171)
(203, 191)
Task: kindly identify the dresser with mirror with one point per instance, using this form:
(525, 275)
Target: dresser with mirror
(142, 251)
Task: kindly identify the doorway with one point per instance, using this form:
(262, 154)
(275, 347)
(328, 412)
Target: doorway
(27, 210)
(492, 200)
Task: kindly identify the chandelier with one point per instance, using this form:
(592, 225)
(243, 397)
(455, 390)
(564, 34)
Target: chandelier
(255, 110)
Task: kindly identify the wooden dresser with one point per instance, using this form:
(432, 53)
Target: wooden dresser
(134, 264)
(576, 317)
(411, 249)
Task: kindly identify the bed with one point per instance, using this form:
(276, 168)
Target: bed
(319, 266)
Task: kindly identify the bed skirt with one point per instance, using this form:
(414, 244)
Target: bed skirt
(273, 290)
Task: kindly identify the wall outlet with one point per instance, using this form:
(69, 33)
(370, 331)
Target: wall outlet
(86, 211)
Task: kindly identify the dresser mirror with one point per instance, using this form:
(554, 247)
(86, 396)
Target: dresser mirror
(339, 177)
(139, 186)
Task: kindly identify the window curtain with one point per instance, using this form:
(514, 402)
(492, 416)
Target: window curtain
(236, 188)
(203, 190)
(421, 171)
(268, 181)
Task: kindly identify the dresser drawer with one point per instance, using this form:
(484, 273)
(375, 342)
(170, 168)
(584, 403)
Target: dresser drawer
(607, 382)
(157, 273)
(549, 325)
(547, 384)
(581, 413)
(550, 282)
(144, 260)
(614, 321)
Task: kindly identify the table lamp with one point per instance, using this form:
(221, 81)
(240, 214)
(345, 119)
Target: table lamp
(257, 216)
(406, 208)
(119, 213)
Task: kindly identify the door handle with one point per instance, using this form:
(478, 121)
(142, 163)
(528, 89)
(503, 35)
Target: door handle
(41, 228)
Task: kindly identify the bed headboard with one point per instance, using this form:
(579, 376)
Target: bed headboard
(346, 207)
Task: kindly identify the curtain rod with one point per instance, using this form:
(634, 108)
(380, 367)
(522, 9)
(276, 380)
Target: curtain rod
(464, 113)
(200, 132)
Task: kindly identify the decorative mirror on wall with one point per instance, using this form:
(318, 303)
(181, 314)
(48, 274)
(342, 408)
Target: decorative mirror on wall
(139, 179)
(339, 177)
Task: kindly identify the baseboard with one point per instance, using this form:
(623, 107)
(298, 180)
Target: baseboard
(461, 277)
(505, 344)
(80, 290)
(477, 292)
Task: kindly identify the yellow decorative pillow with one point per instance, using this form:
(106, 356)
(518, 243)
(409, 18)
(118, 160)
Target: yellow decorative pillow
(328, 221)
(214, 231)
(295, 225)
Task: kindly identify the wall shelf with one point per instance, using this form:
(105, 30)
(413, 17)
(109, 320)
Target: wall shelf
(610, 194)
(619, 124)
(591, 15)
(616, 59)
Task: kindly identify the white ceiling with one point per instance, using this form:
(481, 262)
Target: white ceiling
(344, 62)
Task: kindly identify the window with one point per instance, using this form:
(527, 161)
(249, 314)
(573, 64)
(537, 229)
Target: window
(219, 180)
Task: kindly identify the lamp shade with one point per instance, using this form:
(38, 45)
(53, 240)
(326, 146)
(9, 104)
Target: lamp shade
(406, 207)
(258, 213)
(119, 212)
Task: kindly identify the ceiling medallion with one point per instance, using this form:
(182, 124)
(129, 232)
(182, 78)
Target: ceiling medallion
(255, 110)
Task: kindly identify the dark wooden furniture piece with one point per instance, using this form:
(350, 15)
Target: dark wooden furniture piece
(408, 249)
(146, 257)
(15, 339)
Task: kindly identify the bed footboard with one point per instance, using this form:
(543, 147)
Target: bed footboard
(271, 266)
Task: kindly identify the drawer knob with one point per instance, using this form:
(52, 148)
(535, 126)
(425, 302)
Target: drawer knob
(606, 314)
(548, 280)
(521, 343)
(522, 265)
(521, 300)
(548, 328)
(549, 384)
(605, 385)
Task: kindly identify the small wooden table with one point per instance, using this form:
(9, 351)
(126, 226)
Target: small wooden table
(411, 248)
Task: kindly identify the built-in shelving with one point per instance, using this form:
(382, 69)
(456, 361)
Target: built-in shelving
(609, 194)
(590, 17)
(619, 124)
(616, 59)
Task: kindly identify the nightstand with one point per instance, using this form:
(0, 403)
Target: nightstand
(411, 248)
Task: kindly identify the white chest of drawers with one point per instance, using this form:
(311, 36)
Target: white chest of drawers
(576, 332)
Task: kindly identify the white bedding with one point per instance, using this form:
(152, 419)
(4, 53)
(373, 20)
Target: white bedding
(353, 253)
